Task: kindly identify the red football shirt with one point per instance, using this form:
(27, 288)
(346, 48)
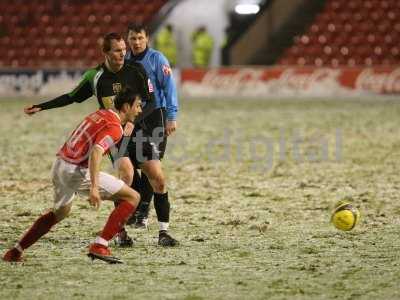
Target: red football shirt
(101, 128)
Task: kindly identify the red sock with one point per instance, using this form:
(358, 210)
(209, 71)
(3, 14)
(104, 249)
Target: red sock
(117, 219)
(38, 229)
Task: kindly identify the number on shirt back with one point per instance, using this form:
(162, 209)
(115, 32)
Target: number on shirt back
(78, 133)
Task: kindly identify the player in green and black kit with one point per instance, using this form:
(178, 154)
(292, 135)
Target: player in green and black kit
(105, 81)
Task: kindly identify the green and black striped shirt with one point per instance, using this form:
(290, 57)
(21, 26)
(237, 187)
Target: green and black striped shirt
(104, 85)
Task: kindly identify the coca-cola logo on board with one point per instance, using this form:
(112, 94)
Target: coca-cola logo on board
(238, 79)
(387, 82)
(305, 80)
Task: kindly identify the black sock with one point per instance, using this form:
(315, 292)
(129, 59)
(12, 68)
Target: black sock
(137, 187)
(146, 194)
(161, 205)
(136, 183)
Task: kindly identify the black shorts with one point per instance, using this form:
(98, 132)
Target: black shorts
(149, 140)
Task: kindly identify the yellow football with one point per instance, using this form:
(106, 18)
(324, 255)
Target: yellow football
(345, 216)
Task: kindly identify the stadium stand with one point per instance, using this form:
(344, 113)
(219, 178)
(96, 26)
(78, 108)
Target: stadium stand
(349, 33)
(52, 33)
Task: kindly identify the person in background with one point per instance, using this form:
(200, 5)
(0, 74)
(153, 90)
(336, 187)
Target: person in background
(202, 48)
(165, 42)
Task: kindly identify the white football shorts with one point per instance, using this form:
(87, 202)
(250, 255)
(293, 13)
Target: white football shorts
(69, 180)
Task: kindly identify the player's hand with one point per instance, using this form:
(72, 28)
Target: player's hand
(170, 127)
(94, 198)
(128, 129)
(30, 110)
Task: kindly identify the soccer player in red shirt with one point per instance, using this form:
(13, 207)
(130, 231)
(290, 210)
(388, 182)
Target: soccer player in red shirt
(77, 170)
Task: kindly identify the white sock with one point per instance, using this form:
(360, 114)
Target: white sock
(18, 247)
(163, 225)
(101, 241)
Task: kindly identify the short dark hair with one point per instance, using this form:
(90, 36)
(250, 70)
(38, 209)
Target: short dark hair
(138, 27)
(127, 95)
(108, 38)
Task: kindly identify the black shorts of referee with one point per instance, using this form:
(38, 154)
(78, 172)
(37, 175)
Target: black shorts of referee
(149, 140)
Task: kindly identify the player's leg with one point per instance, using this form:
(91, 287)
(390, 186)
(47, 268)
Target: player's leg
(113, 189)
(120, 156)
(128, 200)
(125, 170)
(146, 195)
(153, 149)
(38, 229)
(63, 196)
(137, 183)
(153, 170)
(143, 186)
(136, 186)
(126, 174)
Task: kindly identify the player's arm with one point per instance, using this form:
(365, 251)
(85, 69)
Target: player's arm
(95, 158)
(167, 84)
(60, 101)
(82, 92)
(104, 140)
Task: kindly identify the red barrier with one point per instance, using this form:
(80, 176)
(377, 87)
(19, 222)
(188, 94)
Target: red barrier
(260, 81)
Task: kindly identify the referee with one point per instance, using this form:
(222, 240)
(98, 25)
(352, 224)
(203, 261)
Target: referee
(161, 122)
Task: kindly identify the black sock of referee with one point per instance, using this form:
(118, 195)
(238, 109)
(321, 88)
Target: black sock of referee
(162, 206)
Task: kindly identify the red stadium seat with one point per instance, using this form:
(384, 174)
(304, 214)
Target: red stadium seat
(351, 62)
(294, 51)
(351, 32)
(96, 30)
(384, 26)
(319, 62)
(62, 24)
(322, 39)
(395, 51)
